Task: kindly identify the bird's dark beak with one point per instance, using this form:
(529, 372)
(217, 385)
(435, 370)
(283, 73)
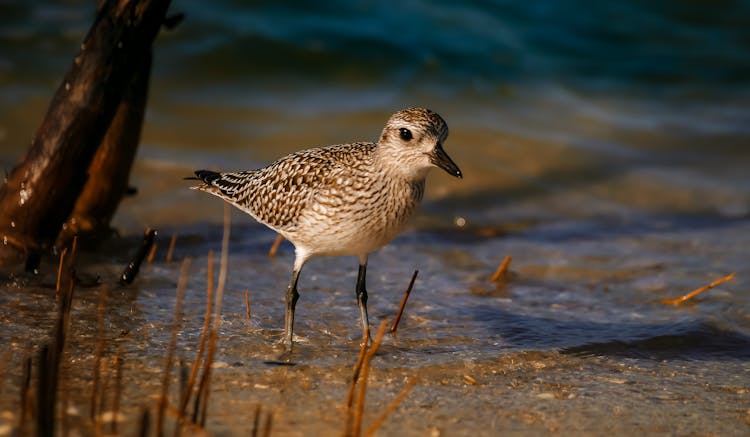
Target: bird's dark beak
(441, 159)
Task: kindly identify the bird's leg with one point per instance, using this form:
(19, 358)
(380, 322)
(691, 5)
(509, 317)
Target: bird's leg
(362, 298)
(291, 301)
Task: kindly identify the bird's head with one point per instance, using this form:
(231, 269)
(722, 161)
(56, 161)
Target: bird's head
(412, 141)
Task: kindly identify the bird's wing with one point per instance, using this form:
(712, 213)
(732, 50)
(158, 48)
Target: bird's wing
(277, 194)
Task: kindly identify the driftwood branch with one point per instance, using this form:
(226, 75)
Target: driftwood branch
(40, 193)
(108, 173)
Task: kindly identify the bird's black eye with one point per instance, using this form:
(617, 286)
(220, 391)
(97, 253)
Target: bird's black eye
(405, 134)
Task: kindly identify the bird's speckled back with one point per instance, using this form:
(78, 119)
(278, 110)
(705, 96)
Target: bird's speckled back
(277, 194)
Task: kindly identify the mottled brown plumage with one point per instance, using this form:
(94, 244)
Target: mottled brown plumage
(349, 199)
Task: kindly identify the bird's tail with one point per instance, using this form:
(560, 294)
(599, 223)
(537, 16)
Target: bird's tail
(228, 186)
(208, 178)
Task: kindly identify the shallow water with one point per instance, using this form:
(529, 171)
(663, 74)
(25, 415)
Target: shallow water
(607, 156)
(576, 333)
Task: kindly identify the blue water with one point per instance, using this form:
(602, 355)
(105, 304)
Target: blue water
(664, 48)
(614, 45)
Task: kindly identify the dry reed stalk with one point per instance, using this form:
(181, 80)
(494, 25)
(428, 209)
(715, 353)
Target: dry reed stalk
(247, 304)
(692, 294)
(182, 393)
(353, 386)
(204, 336)
(60, 336)
(170, 251)
(4, 360)
(275, 246)
(198, 403)
(25, 385)
(73, 252)
(223, 266)
(145, 424)
(99, 351)
(60, 269)
(502, 270)
(98, 424)
(223, 263)
(64, 401)
(118, 388)
(50, 357)
(201, 407)
(66, 265)
(353, 382)
(357, 430)
(45, 391)
(267, 426)
(392, 406)
(106, 377)
(181, 284)
(401, 307)
(256, 421)
(151, 254)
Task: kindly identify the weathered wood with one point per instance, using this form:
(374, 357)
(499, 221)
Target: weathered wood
(108, 173)
(39, 194)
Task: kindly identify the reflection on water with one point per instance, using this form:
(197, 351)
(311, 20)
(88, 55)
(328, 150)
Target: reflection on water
(604, 148)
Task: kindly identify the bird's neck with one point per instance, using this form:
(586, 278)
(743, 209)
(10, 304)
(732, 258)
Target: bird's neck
(388, 162)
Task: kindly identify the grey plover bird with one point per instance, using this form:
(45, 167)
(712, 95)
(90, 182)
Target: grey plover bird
(348, 199)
